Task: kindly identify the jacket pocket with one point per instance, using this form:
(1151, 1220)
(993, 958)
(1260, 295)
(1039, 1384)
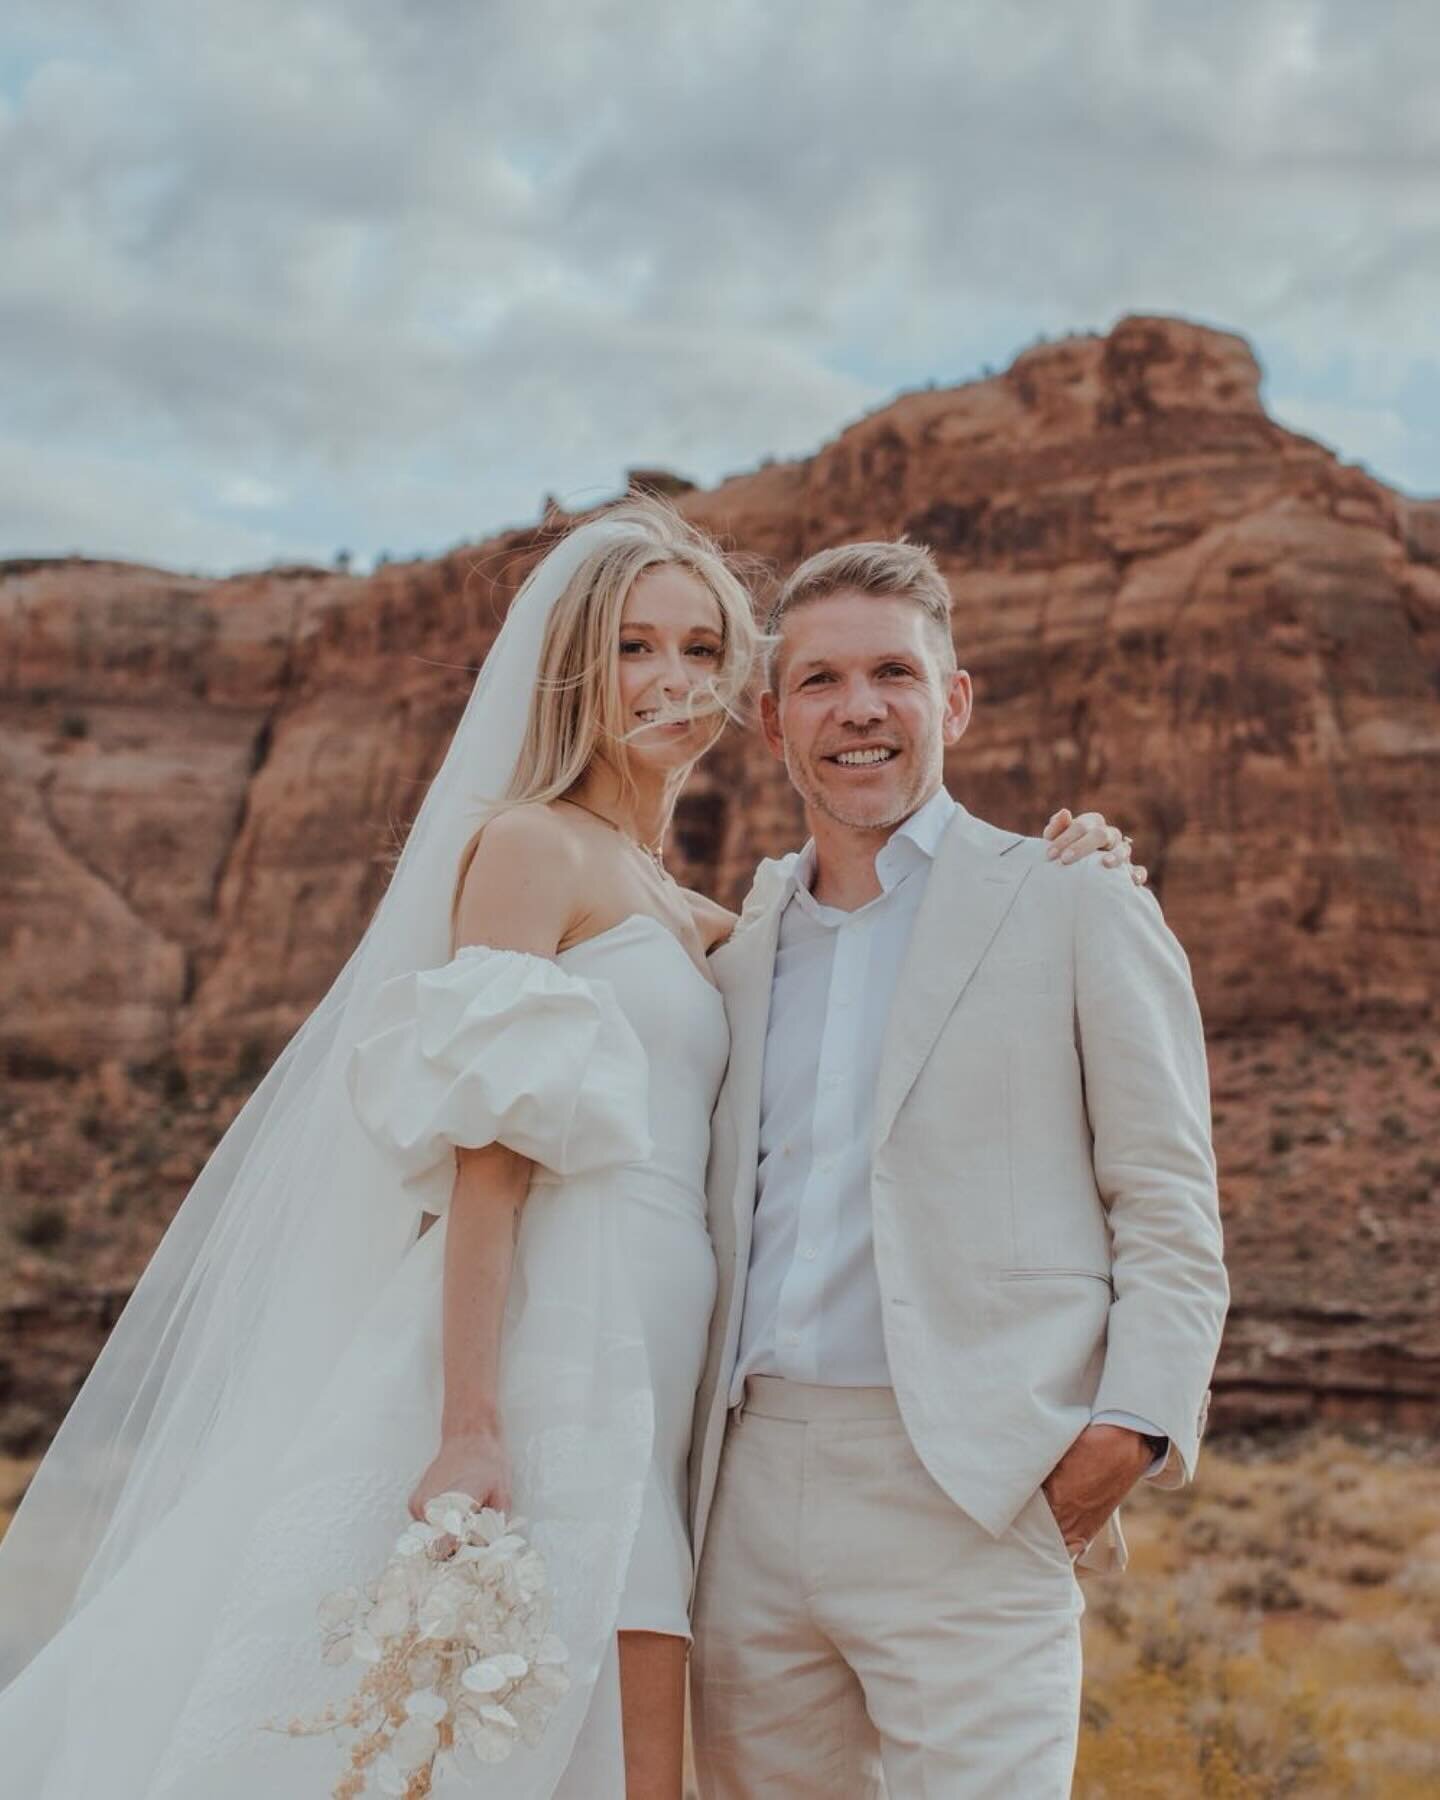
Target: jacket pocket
(1038, 1522)
(1044, 1274)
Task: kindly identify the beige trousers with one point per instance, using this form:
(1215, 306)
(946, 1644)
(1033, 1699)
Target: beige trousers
(850, 1620)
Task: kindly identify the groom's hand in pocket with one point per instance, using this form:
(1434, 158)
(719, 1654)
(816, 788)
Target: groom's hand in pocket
(1092, 1478)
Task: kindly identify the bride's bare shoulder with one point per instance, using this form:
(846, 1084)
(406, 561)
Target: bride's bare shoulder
(535, 827)
(713, 921)
(520, 880)
(533, 838)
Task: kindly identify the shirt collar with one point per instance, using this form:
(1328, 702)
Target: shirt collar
(915, 841)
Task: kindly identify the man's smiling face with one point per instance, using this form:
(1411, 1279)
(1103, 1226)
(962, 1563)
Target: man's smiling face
(864, 705)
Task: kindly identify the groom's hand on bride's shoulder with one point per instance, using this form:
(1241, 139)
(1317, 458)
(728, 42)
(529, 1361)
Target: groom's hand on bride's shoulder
(1072, 836)
(1092, 1478)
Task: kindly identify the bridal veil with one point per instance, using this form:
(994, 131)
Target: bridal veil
(112, 1572)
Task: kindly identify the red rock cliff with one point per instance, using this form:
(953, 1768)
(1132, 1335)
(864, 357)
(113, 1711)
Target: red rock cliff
(1174, 609)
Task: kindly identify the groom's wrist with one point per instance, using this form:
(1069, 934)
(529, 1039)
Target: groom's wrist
(1152, 1449)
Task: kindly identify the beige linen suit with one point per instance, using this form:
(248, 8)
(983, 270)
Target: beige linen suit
(1048, 1245)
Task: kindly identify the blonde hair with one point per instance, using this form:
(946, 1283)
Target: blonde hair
(900, 570)
(576, 713)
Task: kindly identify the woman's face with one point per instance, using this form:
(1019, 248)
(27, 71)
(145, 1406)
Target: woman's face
(670, 643)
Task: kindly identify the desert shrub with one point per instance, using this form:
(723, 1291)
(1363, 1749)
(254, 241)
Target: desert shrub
(1267, 1588)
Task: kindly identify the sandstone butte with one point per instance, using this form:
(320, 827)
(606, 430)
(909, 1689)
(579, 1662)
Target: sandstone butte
(1174, 609)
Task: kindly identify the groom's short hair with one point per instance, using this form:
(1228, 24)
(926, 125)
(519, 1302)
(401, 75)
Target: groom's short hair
(891, 570)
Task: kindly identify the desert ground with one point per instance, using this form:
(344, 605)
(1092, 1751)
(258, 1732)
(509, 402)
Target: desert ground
(1277, 1633)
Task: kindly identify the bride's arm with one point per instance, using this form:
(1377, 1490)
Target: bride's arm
(490, 1189)
(517, 896)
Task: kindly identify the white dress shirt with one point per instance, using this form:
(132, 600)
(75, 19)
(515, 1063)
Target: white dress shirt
(812, 1298)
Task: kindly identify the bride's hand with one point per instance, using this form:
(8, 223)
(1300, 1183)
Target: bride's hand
(476, 1463)
(1073, 836)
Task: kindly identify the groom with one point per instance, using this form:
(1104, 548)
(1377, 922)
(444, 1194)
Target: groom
(963, 1199)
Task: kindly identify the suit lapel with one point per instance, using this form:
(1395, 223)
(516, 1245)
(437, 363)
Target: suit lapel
(745, 977)
(971, 888)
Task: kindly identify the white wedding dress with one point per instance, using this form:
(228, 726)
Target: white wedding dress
(601, 1065)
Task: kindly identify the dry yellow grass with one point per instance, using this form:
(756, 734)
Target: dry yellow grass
(1277, 1633)
(13, 1476)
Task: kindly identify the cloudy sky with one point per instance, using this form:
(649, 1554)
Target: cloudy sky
(282, 276)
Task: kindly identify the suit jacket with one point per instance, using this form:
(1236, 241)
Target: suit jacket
(1047, 1232)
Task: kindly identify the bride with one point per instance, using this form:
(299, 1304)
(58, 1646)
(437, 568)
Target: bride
(464, 1209)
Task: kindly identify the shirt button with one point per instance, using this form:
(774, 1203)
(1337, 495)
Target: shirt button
(808, 1254)
(792, 1337)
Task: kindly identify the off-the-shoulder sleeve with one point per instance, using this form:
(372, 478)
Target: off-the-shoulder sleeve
(499, 1047)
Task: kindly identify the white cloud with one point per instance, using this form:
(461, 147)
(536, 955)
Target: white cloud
(247, 494)
(61, 502)
(404, 270)
(1378, 436)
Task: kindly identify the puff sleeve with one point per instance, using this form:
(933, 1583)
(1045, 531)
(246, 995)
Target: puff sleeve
(498, 1046)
